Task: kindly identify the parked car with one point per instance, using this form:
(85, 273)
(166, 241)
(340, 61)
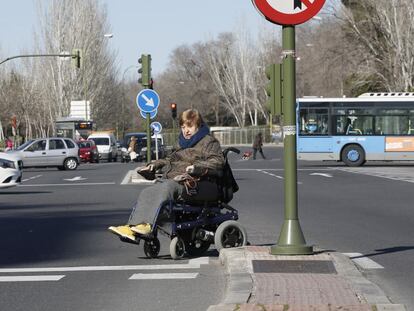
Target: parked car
(59, 152)
(125, 156)
(10, 170)
(88, 152)
(106, 144)
(161, 149)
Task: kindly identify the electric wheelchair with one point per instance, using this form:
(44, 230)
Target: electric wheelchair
(195, 225)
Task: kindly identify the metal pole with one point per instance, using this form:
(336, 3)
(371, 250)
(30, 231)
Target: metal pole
(148, 138)
(291, 240)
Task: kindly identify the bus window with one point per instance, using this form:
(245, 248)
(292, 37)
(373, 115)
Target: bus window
(392, 125)
(313, 122)
(354, 125)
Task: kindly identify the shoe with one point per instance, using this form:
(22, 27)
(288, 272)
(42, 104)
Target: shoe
(123, 231)
(142, 229)
(147, 174)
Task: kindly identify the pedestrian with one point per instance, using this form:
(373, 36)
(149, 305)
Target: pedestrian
(132, 148)
(198, 158)
(9, 144)
(257, 146)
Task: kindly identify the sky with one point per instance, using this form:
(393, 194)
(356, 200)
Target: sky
(153, 27)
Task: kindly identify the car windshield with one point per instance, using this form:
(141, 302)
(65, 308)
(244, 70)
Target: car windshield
(84, 144)
(27, 143)
(101, 141)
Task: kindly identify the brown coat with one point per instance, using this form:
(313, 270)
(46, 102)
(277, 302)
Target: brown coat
(206, 156)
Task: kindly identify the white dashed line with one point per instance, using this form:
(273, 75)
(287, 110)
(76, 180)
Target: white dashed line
(63, 185)
(321, 174)
(31, 278)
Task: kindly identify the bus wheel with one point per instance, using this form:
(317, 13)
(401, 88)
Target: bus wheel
(353, 155)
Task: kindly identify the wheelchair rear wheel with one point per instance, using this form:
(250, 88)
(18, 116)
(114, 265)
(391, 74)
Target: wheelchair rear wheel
(230, 234)
(177, 248)
(152, 248)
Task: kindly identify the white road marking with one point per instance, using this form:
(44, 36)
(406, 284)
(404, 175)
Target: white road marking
(282, 169)
(277, 176)
(31, 178)
(321, 174)
(400, 174)
(192, 264)
(163, 276)
(77, 178)
(127, 177)
(78, 184)
(363, 262)
(31, 278)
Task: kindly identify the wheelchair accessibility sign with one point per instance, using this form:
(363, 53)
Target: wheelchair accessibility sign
(288, 12)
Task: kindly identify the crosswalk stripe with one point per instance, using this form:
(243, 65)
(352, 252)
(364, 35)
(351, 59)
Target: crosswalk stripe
(31, 278)
(192, 264)
(163, 276)
(363, 261)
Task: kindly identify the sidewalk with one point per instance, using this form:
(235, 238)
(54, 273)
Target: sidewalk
(259, 281)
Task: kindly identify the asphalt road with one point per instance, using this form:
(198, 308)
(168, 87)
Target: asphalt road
(50, 221)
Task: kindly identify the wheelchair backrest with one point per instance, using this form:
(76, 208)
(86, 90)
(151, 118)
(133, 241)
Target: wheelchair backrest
(228, 184)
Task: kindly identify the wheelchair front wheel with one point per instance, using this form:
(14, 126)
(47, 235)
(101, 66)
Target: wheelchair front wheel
(177, 248)
(230, 234)
(152, 248)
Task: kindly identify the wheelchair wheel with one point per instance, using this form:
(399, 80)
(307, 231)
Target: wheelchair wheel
(230, 234)
(152, 248)
(177, 248)
(197, 248)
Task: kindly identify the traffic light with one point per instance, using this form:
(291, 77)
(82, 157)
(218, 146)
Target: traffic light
(173, 110)
(274, 89)
(77, 58)
(145, 70)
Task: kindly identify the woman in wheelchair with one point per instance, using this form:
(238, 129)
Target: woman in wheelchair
(199, 156)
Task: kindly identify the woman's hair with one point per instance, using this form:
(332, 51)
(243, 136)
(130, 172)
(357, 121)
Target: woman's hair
(191, 117)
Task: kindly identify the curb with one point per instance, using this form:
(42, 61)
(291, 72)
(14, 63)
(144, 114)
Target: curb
(240, 286)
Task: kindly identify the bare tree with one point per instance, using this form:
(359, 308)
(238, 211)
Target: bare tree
(65, 25)
(382, 33)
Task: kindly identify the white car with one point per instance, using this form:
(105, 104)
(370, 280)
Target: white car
(10, 170)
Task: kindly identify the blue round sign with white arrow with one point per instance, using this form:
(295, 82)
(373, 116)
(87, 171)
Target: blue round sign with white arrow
(148, 100)
(152, 114)
(156, 126)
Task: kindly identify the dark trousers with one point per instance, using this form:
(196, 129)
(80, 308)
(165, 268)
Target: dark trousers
(152, 198)
(255, 151)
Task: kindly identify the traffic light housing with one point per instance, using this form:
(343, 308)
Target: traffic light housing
(145, 70)
(274, 89)
(77, 58)
(173, 110)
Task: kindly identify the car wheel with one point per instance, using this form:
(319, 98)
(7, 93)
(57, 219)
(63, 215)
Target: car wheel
(70, 164)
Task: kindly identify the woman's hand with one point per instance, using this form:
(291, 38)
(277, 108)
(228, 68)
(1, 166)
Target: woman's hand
(189, 169)
(149, 167)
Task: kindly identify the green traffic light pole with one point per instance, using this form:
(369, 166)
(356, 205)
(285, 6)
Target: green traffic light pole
(291, 239)
(148, 137)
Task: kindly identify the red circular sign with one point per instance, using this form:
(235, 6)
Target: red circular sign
(288, 12)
